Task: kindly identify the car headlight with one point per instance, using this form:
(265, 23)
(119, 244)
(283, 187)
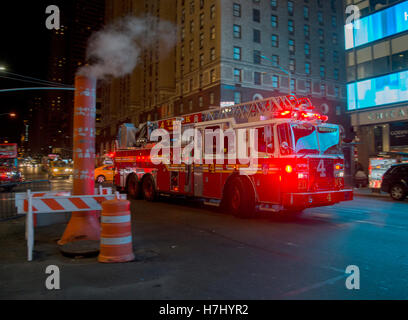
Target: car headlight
(55, 170)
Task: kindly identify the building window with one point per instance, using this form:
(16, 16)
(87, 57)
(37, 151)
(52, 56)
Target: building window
(291, 44)
(274, 21)
(336, 74)
(275, 41)
(306, 12)
(256, 15)
(322, 72)
(201, 59)
(257, 78)
(201, 20)
(201, 4)
(307, 50)
(292, 65)
(275, 61)
(306, 30)
(200, 102)
(274, 4)
(212, 33)
(212, 76)
(191, 85)
(321, 35)
(291, 27)
(181, 107)
(190, 105)
(237, 97)
(237, 31)
(320, 17)
(307, 68)
(335, 56)
(191, 46)
(200, 80)
(335, 41)
(336, 91)
(191, 65)
(212, 54)
(192, 7)
(323, 89)
(321, 54)
(290, 8)
(257, 36)
(293, 85)
(257, 57)
(237, 10)
(237, 53)
(275, 81)
(201, 40)
(192, 26)
(212, 12)
(183, 33)
(338, 110)
(212, 98)
(308, 86)
(237, 75)
(334, 22)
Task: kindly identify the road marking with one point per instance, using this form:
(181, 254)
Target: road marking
(314, 286)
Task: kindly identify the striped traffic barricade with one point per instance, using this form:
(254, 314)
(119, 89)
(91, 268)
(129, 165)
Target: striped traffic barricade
(59, 204)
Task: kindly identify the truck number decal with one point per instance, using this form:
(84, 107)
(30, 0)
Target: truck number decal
(321, 169)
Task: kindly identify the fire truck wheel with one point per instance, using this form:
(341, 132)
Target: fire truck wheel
(241, 199)
(148, 188)
(133, 187)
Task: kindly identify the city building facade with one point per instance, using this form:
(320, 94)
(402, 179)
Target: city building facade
(377, 76)
(230, 52)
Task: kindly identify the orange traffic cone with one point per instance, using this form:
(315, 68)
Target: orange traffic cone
(116, 237)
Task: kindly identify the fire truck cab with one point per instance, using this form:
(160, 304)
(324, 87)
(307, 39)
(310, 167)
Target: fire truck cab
(297, 161)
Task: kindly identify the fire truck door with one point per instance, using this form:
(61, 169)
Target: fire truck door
(188, 179)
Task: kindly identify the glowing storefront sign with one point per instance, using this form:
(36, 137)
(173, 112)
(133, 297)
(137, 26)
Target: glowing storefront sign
(392, 88)
(377, 26)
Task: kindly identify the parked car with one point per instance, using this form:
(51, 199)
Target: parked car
(395, 181)
(104, 173)
(10, 177)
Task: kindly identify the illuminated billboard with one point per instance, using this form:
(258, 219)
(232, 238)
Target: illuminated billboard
(392, 88)
(377, 26)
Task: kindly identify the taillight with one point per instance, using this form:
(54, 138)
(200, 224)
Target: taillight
(338, 171)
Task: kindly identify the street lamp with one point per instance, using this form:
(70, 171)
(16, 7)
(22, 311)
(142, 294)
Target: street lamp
(284, 71)
(2, 68)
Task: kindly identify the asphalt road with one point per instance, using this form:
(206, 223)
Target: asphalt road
(187, 251)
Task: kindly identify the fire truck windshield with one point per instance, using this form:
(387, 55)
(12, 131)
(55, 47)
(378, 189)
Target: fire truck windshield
(305, 136)
(311, 139)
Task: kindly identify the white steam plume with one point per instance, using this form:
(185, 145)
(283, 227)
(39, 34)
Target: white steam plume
(115, 50)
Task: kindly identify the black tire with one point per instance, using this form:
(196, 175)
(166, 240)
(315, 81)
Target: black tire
(148, 188)
(240, 198)
(398, 192)
(100, 179)
(133, 187)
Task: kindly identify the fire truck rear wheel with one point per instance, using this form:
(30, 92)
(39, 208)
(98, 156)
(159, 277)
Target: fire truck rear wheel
(133, 187)
(240, 198)
(148, 188)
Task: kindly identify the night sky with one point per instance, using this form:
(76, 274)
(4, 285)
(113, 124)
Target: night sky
(24, 50)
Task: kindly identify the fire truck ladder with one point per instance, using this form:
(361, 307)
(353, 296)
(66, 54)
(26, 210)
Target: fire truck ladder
(269, 108)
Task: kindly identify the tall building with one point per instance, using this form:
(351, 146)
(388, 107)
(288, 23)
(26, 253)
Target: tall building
(377, 75)
(79, 19)
(229, 52)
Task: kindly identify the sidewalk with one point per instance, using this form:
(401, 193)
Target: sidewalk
(366, 192)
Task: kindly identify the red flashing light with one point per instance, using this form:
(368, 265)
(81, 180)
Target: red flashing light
(285, 113)
(289, 169)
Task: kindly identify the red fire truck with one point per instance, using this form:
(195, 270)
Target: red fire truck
(299, 160)
(10, 176)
